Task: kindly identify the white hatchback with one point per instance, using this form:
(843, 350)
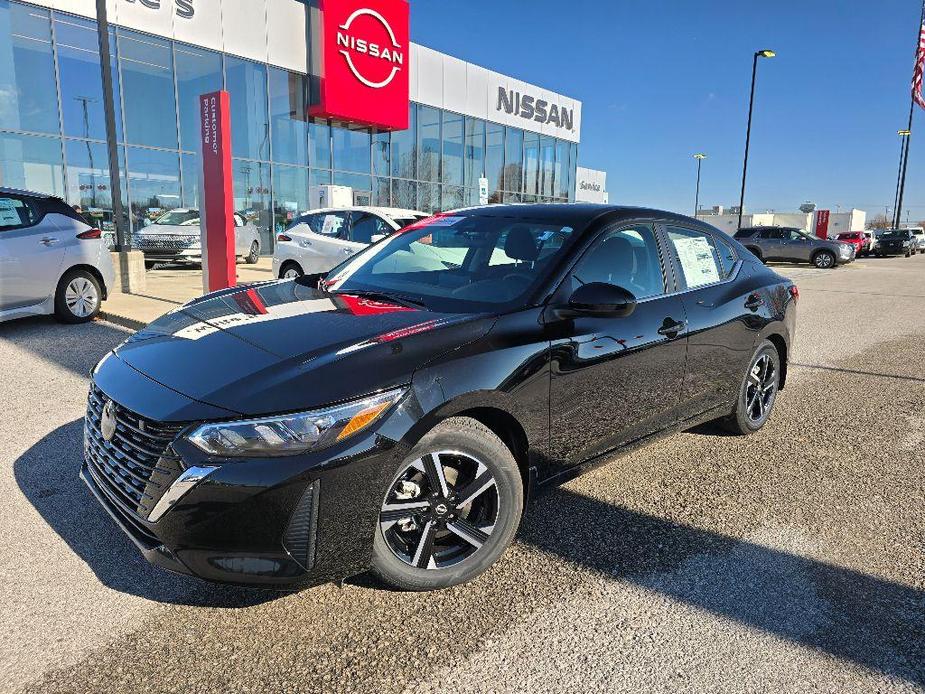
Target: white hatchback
(318, 240)
(51, 260)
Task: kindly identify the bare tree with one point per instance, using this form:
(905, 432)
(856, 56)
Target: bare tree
(879, 222)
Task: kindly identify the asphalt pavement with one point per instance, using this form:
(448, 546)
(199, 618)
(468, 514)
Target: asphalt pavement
(791, 560)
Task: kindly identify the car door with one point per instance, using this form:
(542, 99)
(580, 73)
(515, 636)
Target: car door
(327, 245)
(770, 242)
(32, 249)
(796, 246)
(723, 315)
(616, 379)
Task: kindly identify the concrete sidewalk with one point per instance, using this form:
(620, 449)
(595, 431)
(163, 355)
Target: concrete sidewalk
(168, 287)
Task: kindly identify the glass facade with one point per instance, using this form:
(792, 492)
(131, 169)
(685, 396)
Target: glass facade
(52, 133)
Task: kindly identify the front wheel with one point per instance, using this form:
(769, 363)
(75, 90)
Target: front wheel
(758, 392)
(290, 271)
(450, 511)
(824, 260)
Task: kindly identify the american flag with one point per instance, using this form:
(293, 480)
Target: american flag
(917, 74)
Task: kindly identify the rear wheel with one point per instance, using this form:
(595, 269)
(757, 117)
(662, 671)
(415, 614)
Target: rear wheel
(758, 392)
(78, 297)
(290, 271)
(451, 510)
(824, 260)
(254, 255)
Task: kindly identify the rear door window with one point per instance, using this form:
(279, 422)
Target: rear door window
(697, 257)
(17, 213)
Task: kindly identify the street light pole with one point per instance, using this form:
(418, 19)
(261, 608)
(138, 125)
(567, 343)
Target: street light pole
(748, 131)
(903, 134)
(699, 157)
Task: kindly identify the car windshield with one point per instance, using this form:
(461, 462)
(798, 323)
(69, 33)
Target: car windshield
(181, 218)
(457, 263)
(895, 235)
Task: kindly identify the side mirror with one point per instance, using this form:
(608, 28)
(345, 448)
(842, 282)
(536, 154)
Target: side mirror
(602, 300)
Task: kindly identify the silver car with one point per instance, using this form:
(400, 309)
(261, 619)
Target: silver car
(51, 260)
(175, 237)
(794, 245)
(320, 239)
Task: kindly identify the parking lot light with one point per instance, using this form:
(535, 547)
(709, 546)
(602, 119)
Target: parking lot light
(699, 157)
(765, 53)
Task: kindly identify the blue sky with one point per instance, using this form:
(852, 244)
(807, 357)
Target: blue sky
(662, 79)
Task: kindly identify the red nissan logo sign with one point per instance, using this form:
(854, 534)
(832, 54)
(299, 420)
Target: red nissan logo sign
(365, 57)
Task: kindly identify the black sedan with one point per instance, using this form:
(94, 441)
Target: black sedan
(398, 415)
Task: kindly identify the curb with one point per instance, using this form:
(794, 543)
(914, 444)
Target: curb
(123, 321)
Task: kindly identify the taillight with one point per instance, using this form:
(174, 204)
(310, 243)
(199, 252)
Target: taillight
(795, 292)
(90, 235)
(283, 237)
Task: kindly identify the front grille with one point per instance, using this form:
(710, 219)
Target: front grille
(167, 243)
(137, 466)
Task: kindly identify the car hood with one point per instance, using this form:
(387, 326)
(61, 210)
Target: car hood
(169, 230)
(284, 346)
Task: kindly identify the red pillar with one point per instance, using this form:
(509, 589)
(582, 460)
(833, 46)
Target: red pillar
(216, 193)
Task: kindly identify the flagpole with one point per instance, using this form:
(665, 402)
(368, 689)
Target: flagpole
(905, 165)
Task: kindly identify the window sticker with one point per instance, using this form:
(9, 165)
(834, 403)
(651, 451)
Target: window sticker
(332, 224)
(697, 261)
(9, 217)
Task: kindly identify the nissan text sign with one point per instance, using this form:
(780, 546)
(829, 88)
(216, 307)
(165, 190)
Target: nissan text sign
(366, 58)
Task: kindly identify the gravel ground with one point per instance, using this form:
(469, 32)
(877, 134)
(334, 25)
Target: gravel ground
(790, 560)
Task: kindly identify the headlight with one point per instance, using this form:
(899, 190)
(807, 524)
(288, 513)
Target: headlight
(293, 433)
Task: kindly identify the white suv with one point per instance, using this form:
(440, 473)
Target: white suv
(318, 240)
(51, 260)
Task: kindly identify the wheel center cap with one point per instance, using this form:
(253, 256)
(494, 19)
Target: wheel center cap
(441, 509)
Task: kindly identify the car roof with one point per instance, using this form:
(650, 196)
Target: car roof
(385, 211)
(29, 193)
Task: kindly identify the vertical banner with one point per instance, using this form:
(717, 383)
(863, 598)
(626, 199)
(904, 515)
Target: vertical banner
(216, 194)
(822, 224)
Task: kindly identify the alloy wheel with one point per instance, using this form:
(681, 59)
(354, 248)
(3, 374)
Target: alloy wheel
(291, 274)
(441, 509)
(81, 297)
(824, 260)
(761, 388)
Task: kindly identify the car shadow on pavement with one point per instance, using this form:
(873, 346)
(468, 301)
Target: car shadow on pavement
(47, 474)
(875, 623)
(819, 367)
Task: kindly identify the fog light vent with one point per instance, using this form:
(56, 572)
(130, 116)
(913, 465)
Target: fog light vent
(299, 539)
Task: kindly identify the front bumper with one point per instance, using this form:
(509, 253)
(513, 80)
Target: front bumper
(891, 250)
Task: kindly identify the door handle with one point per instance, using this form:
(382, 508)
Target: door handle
(48, 241)
(754, 302)
(305, 243)
(671, 327)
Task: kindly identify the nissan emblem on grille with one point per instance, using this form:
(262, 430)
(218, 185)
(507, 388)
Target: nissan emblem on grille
(108, 421)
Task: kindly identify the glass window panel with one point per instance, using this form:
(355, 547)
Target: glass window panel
(288, 105)
(320, 137)
(198, 72)
(453, 198)
(428, 143)
(512, 197)
(472, 196)
(28, 97)
(474, 151)
(382, 194)
(351, 149)
(404, 194)
(147, 90)
(452, 171)
(319, 177)
(359, 182)
(88, 183)
(531, 163)
(191, 168)
(494, 157)
(31, 163)
(381, 153)
(572, 166)
(513, 159)
(290, 195)
(429, 197)
(81, 86)
(403, 147)
(154, 184)
(250, 131)
(252, 197)
(547, 164)
(561, 169)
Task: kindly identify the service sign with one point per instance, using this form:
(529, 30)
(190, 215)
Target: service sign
(366, 56)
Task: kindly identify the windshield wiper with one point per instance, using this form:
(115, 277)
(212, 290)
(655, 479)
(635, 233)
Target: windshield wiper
(375, 294)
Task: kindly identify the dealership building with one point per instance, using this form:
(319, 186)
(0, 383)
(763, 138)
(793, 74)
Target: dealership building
(473, 135)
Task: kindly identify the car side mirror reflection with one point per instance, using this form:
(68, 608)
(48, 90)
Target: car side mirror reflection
(603, 300)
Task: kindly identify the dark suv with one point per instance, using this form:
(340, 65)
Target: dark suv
(793, 245)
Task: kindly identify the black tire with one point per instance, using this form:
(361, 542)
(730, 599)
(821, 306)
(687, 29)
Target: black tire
(252, 257)
(290, 265)
(438, 557)
(150, 264)
(748, 418)
(78, 297)
(824, 260)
